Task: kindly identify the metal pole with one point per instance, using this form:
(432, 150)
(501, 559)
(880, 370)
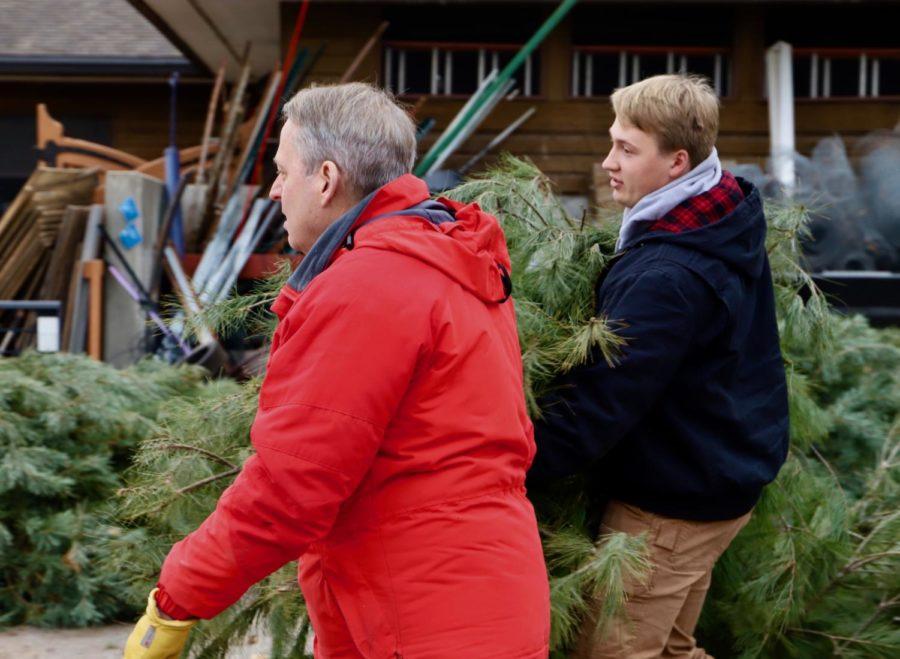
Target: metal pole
(463, 133)
(499, 139)
(362, 54)
(508, 71)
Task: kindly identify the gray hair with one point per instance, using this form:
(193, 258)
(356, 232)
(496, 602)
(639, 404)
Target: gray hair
(358, 127)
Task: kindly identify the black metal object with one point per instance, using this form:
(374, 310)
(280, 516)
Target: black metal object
(49, 306)
(874, 294)
(146, 301)
(96, 65)
(9, 334)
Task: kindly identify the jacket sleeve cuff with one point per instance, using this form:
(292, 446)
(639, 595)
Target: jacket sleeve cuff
(167, 605)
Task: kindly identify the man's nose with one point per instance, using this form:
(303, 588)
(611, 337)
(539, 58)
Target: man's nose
(275, 190)
(609, 163)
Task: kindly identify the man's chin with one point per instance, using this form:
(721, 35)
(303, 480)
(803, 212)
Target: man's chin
(619, 198)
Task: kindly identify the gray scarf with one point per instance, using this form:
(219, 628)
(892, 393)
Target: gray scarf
(338, 233)
(653, 206)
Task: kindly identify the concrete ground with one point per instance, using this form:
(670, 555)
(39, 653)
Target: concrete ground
(92, 643)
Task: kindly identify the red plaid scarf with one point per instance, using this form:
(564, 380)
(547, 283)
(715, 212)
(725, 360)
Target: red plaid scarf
(706, 208)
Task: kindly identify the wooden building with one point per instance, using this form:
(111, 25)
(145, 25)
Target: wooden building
(854, 47)
(847, 67)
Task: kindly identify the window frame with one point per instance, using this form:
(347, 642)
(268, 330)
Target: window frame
(724, 67)
(869, 65)
(486, 50)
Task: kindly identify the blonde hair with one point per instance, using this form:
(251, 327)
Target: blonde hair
(357, 126)
(680, 111)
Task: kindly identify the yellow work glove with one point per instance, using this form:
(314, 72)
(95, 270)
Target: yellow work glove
(156, 638)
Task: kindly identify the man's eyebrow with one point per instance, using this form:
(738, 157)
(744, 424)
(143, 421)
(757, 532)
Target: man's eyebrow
(620, 140)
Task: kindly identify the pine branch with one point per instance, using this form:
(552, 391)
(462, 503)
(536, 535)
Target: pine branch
(884, 605)
(201, 451)
(206, 481)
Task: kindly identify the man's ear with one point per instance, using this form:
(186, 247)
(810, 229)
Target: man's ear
(681, 164)
(330, 182)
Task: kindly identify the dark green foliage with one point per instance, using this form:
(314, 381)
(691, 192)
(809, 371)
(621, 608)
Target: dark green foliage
(68, 426)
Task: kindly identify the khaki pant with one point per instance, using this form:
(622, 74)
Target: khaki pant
(663, 611)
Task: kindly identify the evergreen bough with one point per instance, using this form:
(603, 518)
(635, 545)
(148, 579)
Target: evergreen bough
(68, 427)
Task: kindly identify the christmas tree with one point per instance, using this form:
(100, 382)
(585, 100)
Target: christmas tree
(68, 427)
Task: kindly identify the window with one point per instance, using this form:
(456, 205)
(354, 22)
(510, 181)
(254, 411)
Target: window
(598, 70)
(846, 72)
(452, 69)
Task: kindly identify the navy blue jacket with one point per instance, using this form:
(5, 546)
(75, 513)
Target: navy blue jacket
(693, 421)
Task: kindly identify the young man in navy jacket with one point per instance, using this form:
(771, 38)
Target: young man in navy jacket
(681, 435)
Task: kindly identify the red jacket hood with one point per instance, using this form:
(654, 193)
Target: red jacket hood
(471, 250)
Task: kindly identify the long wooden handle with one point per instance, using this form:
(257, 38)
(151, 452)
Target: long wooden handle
(210, 120)
(93, 272)
(370, 44)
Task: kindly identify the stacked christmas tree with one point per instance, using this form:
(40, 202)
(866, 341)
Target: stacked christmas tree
(68, 428)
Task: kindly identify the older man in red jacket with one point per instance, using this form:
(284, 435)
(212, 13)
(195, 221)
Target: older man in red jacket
(392, 438)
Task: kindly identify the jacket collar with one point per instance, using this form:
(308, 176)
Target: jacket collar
(399, 194)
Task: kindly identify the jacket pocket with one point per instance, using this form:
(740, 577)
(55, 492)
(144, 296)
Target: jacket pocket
(365, 613)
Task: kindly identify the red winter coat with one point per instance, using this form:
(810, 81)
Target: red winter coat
(392, 442)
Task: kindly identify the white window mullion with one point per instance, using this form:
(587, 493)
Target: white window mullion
(435, 70)
(863, 70)
(527, 90)
(401, 72)
(635, 68)
(589, 75)
(826, 78)
(623, 68)
(717, 74)
(814, 75)
(576, 72)
(682, 65)
(481, 65)
(876, 77)
(448, 72)
(389, 69)
(670, 62)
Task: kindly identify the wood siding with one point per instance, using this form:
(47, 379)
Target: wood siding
(567, 136)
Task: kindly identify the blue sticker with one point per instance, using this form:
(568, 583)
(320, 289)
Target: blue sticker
(129, 210)
(130, 236)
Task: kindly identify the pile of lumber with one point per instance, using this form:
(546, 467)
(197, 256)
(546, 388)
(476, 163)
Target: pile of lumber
(31, 224)
(40, 234)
